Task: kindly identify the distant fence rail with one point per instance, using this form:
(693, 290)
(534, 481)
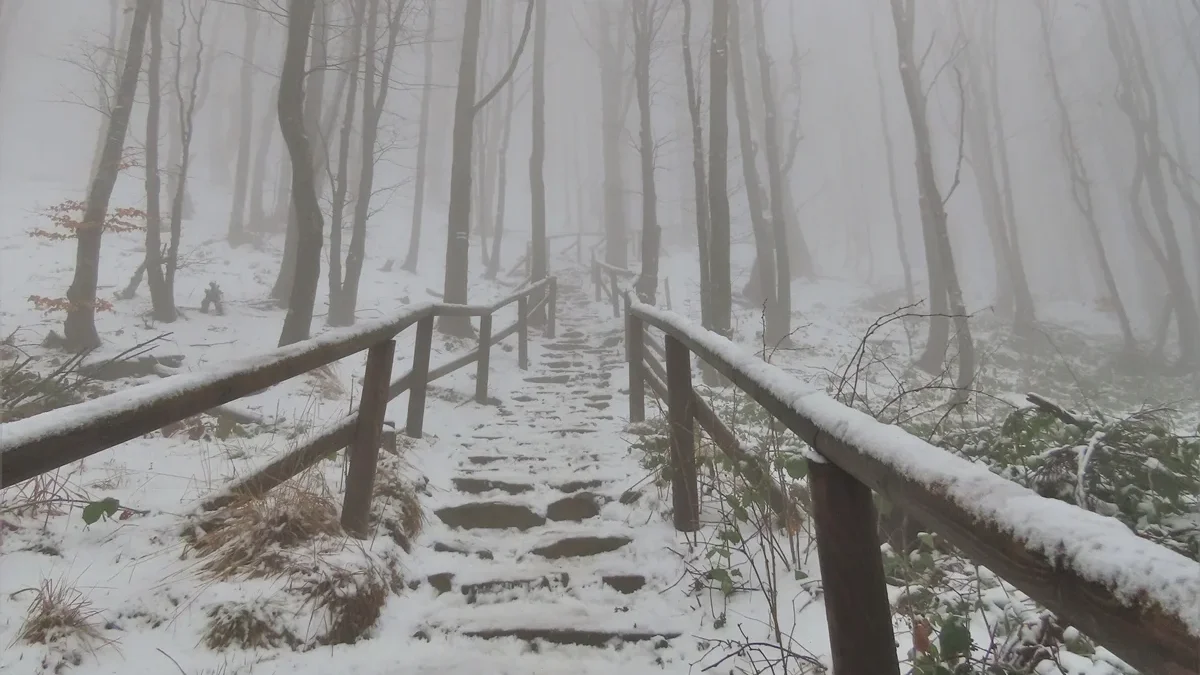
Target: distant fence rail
(1136, 598)
(45, 442)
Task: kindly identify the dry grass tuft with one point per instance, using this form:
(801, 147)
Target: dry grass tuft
(396, 505)
(252, 538)
(59, 611)
(244, 625)
(326, 384)
(350, 601)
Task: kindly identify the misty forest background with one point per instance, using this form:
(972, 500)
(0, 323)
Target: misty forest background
(1016, 184)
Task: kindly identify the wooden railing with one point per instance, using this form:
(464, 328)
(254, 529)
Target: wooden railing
(1138, 599)
(46, 442)
(602, 271)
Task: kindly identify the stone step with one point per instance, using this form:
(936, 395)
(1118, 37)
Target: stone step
(490, 516)
(477, 486)
(554, 581)
(576, 508)
(548, 379)
(578, 547)
(574, 636)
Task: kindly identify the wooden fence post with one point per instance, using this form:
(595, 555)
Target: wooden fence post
(523, 332)
(856, 601)
(551, 308)
(415, 425)
(364, 450)
(485, 346)
(685, 493)
(634, 350)
(667, 288)
(616, 303)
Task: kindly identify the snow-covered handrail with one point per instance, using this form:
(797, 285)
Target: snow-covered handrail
(1138, 599)
(45, 442)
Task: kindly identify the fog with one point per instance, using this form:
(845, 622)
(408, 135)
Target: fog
(833, 65)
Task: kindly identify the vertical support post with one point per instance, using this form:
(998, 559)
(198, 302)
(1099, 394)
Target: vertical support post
(523, 332)
(364, 449)
(667, 288)
(685, 492)
(485, 353)
(551, 308)
(415, 425)
(616, 303)
(596, 277)
(634, 351)
(528, 260)
(856, 602)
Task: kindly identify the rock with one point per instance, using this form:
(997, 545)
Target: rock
(577, 485)
(442, 581)
(626, 583)
(574, 508)
(473, 591)
(576, 547)
(630, 496)
(490, 516)
(476, 486)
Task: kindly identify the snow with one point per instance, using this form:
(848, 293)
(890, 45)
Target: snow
(1097, 548)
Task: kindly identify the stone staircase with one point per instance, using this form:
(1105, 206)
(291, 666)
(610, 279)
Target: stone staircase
(542, 534)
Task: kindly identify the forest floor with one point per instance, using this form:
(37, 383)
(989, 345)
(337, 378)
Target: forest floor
(147, 588)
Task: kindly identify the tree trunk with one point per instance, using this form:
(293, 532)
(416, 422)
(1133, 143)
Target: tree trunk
(643, 37)
(79, 329)
(283, 289)
(698, 174)
(342, 312)
(291, 106)
(493, 268)
(258, 179)
(414, 241)
(241, 180)
(779, 317)
(1081, 184)
(946, 294)
(1026, 310)
(186, 120)
(345, 139)
(540, 267)
(762, 287)
(1137, 100)
(458, 243)
(718, 170)
(162, 301)
(612, 128)
(890, 155)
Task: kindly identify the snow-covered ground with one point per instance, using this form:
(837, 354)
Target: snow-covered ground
(149, 591)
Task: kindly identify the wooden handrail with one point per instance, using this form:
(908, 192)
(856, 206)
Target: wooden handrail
(1138, 599)
(48, 441)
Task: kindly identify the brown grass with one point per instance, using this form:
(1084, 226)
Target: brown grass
(351, 600)
(59, 611)
(396, 504)
(252, 538)
(247, 625)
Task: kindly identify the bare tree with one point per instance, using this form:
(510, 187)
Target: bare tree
(612, 127)
(890, 156)
(241, 179)
(458, 243)
(79, 329)
(309, 221)
(718, 170)
(646, 21)
(945, 292)
(699, 175)
(1081, 183)
(761, 288)
(539, 266)
(341, 179)
(414, 241)
(344, 303)
(493, 268)
(1137, 99)
(779, 319)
